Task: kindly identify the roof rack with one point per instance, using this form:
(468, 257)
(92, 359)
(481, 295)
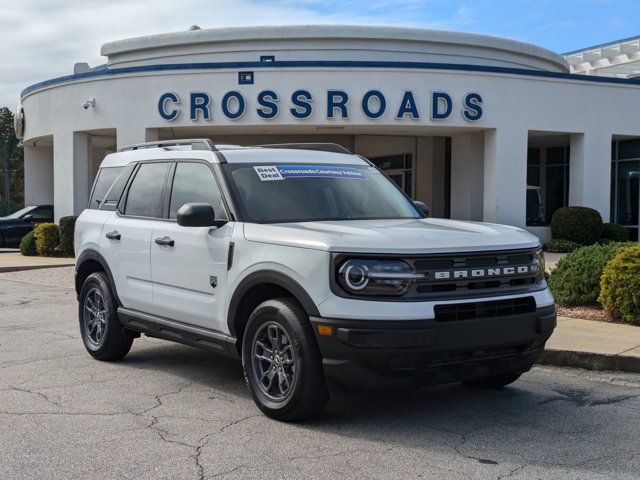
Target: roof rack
(322, 147)
(194, 143)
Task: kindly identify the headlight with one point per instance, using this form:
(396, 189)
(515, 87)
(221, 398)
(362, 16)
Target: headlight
(539, 257)
(376, 277)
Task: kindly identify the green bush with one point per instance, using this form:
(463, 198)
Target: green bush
(28, 245)
(620, 285)
(47, 238)
(560, 246)
(67, 226)
(576, 278)
(615, 232)
(578, 224)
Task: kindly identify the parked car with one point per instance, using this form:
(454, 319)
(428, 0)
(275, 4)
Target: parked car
(16, 225)
(307, 263)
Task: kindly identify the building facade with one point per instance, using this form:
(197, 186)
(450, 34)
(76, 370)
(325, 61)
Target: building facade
(480, 128)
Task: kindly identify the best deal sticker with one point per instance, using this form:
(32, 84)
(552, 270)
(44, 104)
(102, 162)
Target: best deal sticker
(281, 172)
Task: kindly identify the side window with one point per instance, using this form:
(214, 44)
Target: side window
(105, 178)
(42, 213)
(195, 183)
(145, 193)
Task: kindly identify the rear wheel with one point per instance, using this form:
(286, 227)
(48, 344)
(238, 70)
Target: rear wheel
(102, 334)
(282, 363)
(496, 382)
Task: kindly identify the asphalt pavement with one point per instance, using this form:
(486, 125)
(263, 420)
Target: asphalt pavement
(173, 412)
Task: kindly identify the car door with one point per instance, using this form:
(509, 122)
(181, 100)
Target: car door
(189, 264)
(126, 235)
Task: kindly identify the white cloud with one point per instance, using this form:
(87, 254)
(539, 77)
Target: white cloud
(42, 39)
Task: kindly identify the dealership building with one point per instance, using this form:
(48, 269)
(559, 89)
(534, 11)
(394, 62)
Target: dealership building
(481, 128)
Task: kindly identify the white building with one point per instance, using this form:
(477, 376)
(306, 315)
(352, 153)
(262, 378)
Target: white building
(461, 121)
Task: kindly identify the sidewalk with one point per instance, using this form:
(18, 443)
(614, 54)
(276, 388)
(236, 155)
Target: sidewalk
(12, 261)
(594, 345)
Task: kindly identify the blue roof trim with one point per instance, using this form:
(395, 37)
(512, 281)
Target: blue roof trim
(104, 72)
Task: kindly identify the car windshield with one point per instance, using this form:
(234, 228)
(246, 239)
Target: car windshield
(19, 213)
(304, 192)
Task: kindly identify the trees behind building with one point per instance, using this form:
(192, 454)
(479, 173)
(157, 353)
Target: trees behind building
(11, 166)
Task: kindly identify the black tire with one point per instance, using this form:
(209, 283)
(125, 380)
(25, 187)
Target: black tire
(307, 394)
(495, 383)
(2, 241)
(114, 342)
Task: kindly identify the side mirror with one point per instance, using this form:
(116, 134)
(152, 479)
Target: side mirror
(423, 207)
(27, 218)
(197, 215)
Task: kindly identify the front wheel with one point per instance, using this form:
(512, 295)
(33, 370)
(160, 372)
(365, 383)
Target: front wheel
(281, 361)
(102, 334)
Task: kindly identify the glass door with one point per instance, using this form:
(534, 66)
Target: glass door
(398, 168)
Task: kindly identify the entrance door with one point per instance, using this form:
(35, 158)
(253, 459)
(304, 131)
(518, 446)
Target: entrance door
(398, 168)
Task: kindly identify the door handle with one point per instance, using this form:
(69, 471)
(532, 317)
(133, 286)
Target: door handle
(113, 235)
(165, 241)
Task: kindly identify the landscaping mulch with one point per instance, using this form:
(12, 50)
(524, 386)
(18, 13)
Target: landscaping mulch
(588, 313)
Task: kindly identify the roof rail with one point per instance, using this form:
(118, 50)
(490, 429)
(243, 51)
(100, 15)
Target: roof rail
(322, 147)
(194, 143)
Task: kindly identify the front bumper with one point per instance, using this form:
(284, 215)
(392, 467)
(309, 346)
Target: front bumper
(374, 354)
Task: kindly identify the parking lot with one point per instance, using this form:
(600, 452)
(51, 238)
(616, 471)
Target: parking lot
(170, 411)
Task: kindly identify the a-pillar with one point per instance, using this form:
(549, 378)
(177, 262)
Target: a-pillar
(466, 176)
(505, 176)
(590, 171)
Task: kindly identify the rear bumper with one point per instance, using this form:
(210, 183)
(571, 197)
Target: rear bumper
(373, 354)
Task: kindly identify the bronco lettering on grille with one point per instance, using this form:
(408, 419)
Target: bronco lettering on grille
(484, 272)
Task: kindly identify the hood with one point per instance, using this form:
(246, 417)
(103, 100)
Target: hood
(410, 236)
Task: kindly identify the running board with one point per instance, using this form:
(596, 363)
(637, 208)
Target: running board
(175, 331)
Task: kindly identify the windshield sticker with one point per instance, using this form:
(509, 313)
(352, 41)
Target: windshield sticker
(281, 172)
(267, 174)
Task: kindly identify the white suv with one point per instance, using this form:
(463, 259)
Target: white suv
(307, 263)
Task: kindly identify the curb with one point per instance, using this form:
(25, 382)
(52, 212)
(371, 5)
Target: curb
(33, 267)
(590, 361)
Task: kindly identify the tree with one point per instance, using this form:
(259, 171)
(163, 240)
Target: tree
(11, 165)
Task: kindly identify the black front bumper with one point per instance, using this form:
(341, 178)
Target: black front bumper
(374, 354)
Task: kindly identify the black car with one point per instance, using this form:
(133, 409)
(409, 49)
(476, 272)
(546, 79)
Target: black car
(16, 225)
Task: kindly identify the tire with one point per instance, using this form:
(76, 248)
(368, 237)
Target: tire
(303, 393)
(2, 241)
(114, 342)
(495, 383)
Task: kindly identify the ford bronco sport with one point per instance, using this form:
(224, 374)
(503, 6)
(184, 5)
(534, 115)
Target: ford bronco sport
(308, 264)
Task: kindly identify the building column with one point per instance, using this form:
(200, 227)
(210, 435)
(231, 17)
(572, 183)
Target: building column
(505, 176)
(466, 176)
(590, 171)
(71, 156)
(38, 175)
(131, 136)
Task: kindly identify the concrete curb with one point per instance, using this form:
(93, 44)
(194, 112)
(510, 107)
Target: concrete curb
(33, 267)
(590, 361)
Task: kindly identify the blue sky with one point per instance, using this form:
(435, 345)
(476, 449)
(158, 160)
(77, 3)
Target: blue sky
(42, 39)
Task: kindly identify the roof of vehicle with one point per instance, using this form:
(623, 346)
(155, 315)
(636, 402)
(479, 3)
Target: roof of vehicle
(233, 154)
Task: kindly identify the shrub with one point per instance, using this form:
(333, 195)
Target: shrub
(47, 238)
(67, 226)
(28, 245)
(560, 246)
(578, 224)
(576, 278)
(620, 285)
(615, 232)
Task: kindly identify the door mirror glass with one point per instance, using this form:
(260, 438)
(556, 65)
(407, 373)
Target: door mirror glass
(196, 215)
(423, 207)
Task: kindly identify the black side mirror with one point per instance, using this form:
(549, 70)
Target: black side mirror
(27, 218)
(423, 207)
(197, 215)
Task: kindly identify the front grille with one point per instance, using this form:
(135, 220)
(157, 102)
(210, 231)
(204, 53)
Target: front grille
(475, 273)
(475, 310)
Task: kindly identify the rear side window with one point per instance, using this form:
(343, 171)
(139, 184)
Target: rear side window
(195, 183)
(42, 213)
(145, 193)
(105, 178)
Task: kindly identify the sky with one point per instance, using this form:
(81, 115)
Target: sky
(42, 39)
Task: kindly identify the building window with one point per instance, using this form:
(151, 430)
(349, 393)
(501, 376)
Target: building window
(625, 184)
(535, 210)
(398, 168)
(556, 180)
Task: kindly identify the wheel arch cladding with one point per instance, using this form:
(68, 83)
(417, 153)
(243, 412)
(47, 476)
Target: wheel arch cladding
(90, 262)
(259, 287)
